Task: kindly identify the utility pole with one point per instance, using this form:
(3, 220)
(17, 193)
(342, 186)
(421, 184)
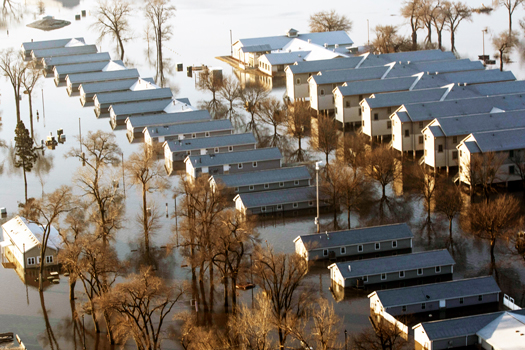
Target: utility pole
(368, 30)
(231, 43)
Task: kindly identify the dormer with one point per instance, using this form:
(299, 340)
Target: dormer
(292, 33)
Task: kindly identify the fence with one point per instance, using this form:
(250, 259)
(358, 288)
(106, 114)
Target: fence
(509, 302)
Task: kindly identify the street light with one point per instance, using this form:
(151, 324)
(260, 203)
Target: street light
(317, 165)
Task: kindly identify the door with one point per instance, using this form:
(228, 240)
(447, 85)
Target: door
(442, 304)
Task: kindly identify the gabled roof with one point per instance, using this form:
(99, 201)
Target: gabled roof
(256, 48)
(506, 332)
(403, 69)
(263, 177)
(390, 99)
(28, 234)
(267, 198)
(129, 96)
(468, 77)
(188, 128)
(412, 56)
(65, 51)
(77, 59)
(376, 86)
(211, 142)
(83, 78)
(325, 65)
(355, 236)
(395, 263)
(278, 42)
(348, 75)
(115, 85)
(255, 155)
(437, 291)
(86, 67)
(502, 88)
(49, 44)
(156, 106)
(498, 140)
(188, 116)
(285, 57)
(456, 327)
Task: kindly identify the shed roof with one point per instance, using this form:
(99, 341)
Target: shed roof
(211, 142)
(395, 263)
(256, 48)
(267, 198)
(403, 69)
(83, 78)
(437, 291)
(23, 232)
(356, 236)
(264, 176)
(49, 44)
(77, 59)
(188, 116)
(65, 51)
(254, 155)
(188, 128)
(114, 85)
(140, 107)
(140, 95)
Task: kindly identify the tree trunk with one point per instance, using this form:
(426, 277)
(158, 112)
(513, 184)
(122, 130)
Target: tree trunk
(234, 292)
(226, 286)
(450, 229)
(212, 287)
(439, 33)
(72, 284)
(121, 47)
(429, 33)
(31, 116)
(107, 318)
(41, 267)
(94, 316)
(348, 216)
(492, 246)
(145, 222)
(510, 23)
(414, 40)
(452, 41)
(25, 180)
(501, 60)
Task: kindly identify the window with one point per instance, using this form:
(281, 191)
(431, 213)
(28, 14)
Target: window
(461, 300)
(347, 104)
(365, 278)
(419, 272)
(193, 136)
(279, 207)
(438, 269)
(393, 137)
(360, 115)
(207, 134)
(360, 97)
(394, 244)
(511, 154)
(296, 182)
(389, 110)
(311, 203)
(401, 274)
(236, 189)
(455, 155)
(376, 116)
(360, 248)
(251, 187)
(266, 185)
(425, 137)
(378, 246)
(454, 139)
(420, 140)
(440, 148)
(407, 133)
(216, 150)
(325, 252)
(298, 81)
(322, 92)
(389, 124)
(263, 208)
(296, 205)
(461, 153)
(512, 170)
(343, 250)
(30, 261)
(188, 153)
(480, 297)
(49, 259)
(239, 166)
(423, 306)
(281, 184)
(404, 308)
(383, 276)
(254, 164)
(230, 148)
(421, 125)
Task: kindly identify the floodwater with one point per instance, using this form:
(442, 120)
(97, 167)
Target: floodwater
(201, 32)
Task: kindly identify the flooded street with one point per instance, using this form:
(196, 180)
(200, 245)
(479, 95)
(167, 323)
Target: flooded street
(201, 32)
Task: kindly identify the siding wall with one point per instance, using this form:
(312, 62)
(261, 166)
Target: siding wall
(285, 207)
(368, 249)
(446, 272)
(272, 186)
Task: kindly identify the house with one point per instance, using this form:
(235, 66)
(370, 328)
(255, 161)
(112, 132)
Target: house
(357, 243)
(74, 81)
(187, 131)
(101, 66)
(423, 266)
(233, 162)
(119, 112)
(38, 54)
(50, 44)
(442, 136)
(278, 201)
(89, 90)
(103, 101)
(248, 51)
(275, 63)
(22, 243)
(435, 297)
(508, 144)
(178, 150)
(135, 124)
(502, 330)
(409, 120)
(264, 180)
(49, 63)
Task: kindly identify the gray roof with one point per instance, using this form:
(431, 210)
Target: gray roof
(403, 69)
(211, 142)
(116, 85)
(325, 65)
(458, 327)
(256, 48)
(348, 75)
(141, 121)
(502, 88)
(85, 67)
(130, 96)
(412, 56)
(263, 177)
(466, 124)
(260, 154)
(141, 107)
(395, 263)
(77, 59)
(286, 57)
(188, 128)
(65, 51)
(390, 99)
(48, 44)
(468, 77)
(83, 78)
(278, 42)
(376, 86)
(438, 291)
(267, 198)
(431, 110)
(500, 140)
(356, 236)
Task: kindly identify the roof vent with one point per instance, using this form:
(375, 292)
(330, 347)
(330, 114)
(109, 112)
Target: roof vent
(326, 233)
(309, 41)
(336, 46)
(349, 268)
(325, 45)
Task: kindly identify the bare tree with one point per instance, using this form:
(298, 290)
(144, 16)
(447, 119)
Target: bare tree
(299, 118)
(428, 12)
(146, 171)
(387, 40)
(423, 186)
(383, 167)
(518, 159)
(355, 149)
(142, 304)
(448, 202)
(412, 11)
(331, 187)
(455, 13)
(487, 166)
(112, 19)
(493, 220)
(13, 68)
(511, 6)
(383, 336)
(272, 113)
(439, 20)
(504, 43)
(325, 137)
(31, 76)
(329, 21)
(230, 91)
(356, 191)
(253, 95)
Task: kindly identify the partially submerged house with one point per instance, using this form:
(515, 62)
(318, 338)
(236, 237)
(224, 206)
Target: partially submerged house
(74, 81)
(50, 44)
(99, 66)
(187, 131)
(435, 297)
(120, 112)
(103, 101)
(22, 241)
(63, 51)
(49, 63)
(423, 266)
(178, 150)
(89, 90)
(278, 201)
(264, 180)
(357, 243)
(233, 162)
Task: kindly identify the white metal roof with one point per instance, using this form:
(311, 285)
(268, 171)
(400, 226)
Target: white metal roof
(24, 232)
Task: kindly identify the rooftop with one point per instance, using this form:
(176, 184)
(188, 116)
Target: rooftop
(267, 198)
(278, 42)
(376, 86)
(115, 85)
(211, 142)
(506, 332)
(412, 56)
(65, 51)
(28, 234)
(498, 140)
(87, 67)
(102, 76)
(325, 65)
(260, 154)
(92, 57)
(188, 128)
(264, 176)
(115, 97)
(187, 116)
(50, 44)
(468, 77)
(285, 57)
(348, 75)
